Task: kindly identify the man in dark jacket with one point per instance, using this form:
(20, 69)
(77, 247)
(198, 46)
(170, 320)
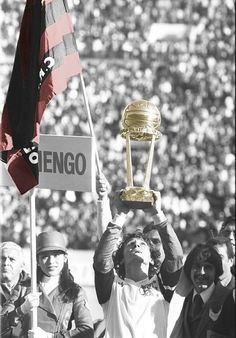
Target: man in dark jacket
(15, 283)
(197, 301)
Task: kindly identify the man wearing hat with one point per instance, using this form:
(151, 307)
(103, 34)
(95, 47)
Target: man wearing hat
(14, 285)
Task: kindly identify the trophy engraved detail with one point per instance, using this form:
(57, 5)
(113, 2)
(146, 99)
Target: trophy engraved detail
(141, 121)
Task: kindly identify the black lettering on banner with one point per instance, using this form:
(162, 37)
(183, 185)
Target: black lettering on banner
(47, 159)
(80, 171)
(57, 162)
(69, 165)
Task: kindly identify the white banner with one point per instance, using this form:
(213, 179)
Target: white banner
(65, 163)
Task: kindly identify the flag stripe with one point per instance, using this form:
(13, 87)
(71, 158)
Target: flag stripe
(57, 81)
(54, 34)
(66, 46)
(54, 10)
(57, 55)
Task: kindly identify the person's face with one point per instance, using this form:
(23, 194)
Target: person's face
(229, 232)
(202, 276)
(226, 261)
(11, 265)
(137, 250)
(156, 243)
(51, 262)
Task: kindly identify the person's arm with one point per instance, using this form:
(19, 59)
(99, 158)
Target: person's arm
(172, 265)
(82, 317)
(171, 244)
(103, 204)
(103, 262)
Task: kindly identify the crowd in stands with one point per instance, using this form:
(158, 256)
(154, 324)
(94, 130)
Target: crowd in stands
(189, 76)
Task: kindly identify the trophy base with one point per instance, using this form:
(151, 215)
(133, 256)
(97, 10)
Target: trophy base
(137, 198)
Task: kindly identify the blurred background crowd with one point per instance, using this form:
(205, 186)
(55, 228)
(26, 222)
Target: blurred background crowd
(178, 54)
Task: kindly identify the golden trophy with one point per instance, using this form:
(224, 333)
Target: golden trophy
(141, 121)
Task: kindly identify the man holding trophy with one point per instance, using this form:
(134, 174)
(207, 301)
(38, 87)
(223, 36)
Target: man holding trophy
(134, 278)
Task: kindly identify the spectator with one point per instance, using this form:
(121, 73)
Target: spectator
(14, 285)
(228, 230)
(194, 314)
(134, 299)
(224, 248)
(62, 309)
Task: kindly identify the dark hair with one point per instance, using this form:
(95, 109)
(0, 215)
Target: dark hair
(221, 240)
(230, 220)
(203, 253)
(66, 283)
(149, 227)
(118, 255)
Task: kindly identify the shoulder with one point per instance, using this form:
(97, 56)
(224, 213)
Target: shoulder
(79, 292)
(220, 292)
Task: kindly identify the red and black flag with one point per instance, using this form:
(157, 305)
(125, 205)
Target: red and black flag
(46, 58)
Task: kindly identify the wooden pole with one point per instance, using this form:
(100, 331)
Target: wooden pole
(90, 123)
(33, 259)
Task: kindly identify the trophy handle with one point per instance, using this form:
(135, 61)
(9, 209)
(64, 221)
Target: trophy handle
(129, 162)
(147, 178)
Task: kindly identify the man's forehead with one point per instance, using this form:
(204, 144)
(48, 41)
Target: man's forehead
(153, 233)
(134, 239)
(7, 252)
(202, 264)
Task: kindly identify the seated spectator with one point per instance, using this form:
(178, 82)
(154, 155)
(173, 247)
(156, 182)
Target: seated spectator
(224, 248)
(198, 297)
(14, 285)
(134, 297)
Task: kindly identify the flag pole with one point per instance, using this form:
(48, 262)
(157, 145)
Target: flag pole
(33, 260)
(90, 123)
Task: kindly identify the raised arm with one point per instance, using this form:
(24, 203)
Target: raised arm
(103, 204)
(170, 248)
(173, 250)
(103, 262)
